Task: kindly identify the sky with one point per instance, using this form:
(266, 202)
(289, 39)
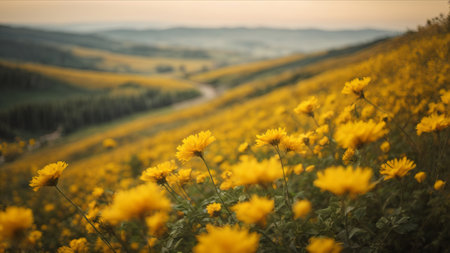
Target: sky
(383, 14)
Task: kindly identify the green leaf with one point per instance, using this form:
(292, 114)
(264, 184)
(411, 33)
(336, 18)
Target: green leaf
(382, 222)
(349, 209)
(355, 231)
(405, 228)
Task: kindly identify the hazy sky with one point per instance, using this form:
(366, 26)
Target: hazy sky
(398, 15)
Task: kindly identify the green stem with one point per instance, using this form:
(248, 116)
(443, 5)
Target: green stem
(401, 191)
(347, 237)
(171, 193)
(185, 193)
(113, 233)
(175, 196)
(268, 237)
(215, 187)
(144, 233)
(288, 202)
(84, 216)
(315, 121)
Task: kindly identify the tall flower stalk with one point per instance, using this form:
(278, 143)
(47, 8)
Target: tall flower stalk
(100, 234)
(49, 176)
(215, 186)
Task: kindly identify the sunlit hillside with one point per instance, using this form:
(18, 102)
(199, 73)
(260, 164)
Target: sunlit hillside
(95, 80)
(147, 65)
(347, 151)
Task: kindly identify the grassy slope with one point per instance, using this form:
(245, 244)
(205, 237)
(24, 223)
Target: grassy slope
(135, 127)
(147, 126)
(399, 78)
(128, 63)
(95, 80)
(305, 65)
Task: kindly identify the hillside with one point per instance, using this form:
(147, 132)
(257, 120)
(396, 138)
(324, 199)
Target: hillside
(39, 99)
(10, 34)
(394, 88)
(259, 41)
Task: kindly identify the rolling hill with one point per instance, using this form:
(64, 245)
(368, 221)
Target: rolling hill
(259, 41)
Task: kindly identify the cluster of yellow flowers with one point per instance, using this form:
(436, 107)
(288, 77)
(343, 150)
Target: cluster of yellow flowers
(254, 211)
(251, 172)
(159, 173)
(342, 181)
(259, 184)
(14, 222)
(136, 203)
(356, 134)
(227, 239)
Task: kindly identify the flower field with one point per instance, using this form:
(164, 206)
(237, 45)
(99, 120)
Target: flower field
(353, 159)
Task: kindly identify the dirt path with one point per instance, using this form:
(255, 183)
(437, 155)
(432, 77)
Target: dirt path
(207, 93)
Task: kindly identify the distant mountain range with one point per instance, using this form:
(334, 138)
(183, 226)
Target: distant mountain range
(258, 41)
(18, 39)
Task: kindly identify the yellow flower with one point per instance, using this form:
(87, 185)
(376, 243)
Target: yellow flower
(14, 221)
(157, 223)
(79, 245)
(356, 134)
(49, 207)
(445, 97)
(109, 143)
(323, 129)
(201, 177)
(159, 173)
(243, 147)
(194, 145)
(432, 123)
(436, 108)
(308, 107)
(181, 178)
(213, 209)
(310, 168)
(65, 249)
(136, 203)
(324, 141)
(298, 169)
(341, 181)
(367, 112)
(75, 246)
(48, 176)
(420, 176)
(396, 168)
(254, 211)
(271, 137)
(326, 117)
(439, 184)
(226, 239)
(348, 155)
(291, 143)
(97, 192)
(346, 114)
(385, 146)
(301, 209)
(218, 159)
(249, 171)
(323, 245)
(356, 86)
(34, 236)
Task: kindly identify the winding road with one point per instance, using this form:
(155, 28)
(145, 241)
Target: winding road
(207, 93)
